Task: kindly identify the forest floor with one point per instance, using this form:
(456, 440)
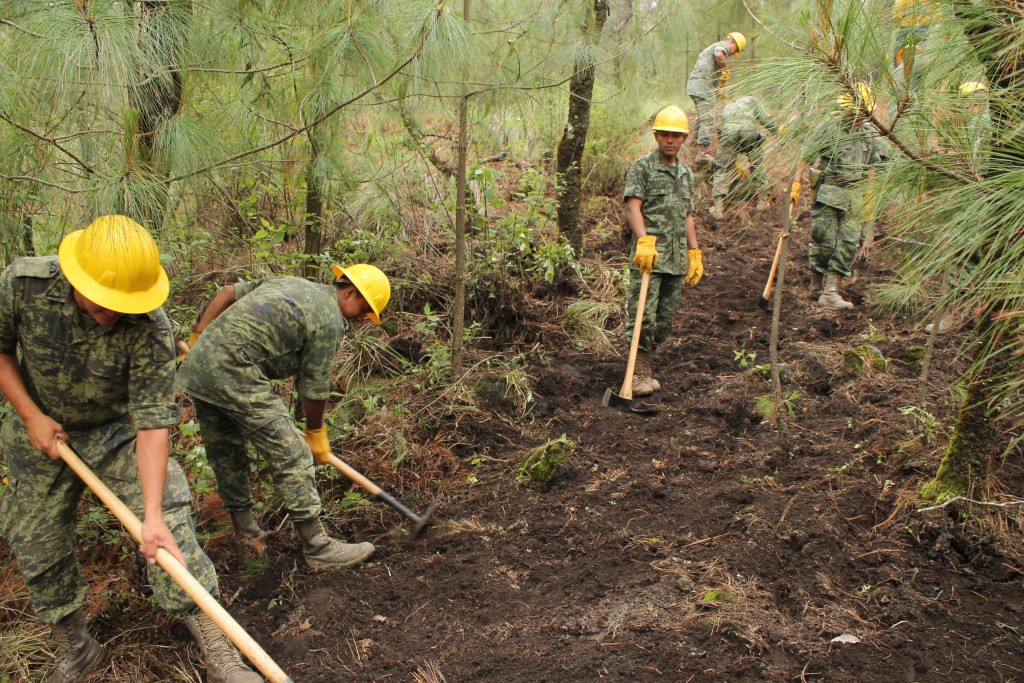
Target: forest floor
(692, 545)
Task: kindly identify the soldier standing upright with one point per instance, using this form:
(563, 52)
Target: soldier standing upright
(255, 332)
(97, 372)
(740, 134)
(709, 72)
(659, 209)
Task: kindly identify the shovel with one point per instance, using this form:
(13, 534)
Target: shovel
(206, 602)
(762, 299)
(420, 524)
(624, 399)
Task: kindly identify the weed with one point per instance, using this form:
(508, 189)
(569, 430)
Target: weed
(744, 357)
(766, 408)
(254, 565)
(544, 462)
(586, 321)
(925, 426)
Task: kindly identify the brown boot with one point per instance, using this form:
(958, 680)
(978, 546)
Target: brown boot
(762, 204)
(816, 285)
(324, 552)
(78, 653)
(718, 210)
(648, 368)
(245, 525)
(702, 158)
(643, 383)
(830, 297)
(949, 323)
(224, 663)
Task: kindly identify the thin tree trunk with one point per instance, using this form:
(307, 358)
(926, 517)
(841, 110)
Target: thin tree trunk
(574, 137)
(459, 305)
(313, 219)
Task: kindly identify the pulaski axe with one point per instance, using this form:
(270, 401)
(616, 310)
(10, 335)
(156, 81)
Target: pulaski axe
(624, 399)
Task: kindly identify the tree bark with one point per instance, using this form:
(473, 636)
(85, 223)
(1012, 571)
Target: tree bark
(574, 136)
(459, 305)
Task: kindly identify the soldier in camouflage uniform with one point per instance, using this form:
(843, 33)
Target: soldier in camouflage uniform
(709, 72)
(255, 332)
(659, 208)
(740, 134)
(97, 372)
(844, 157)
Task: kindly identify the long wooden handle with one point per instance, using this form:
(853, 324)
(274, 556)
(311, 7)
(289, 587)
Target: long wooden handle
(775, 265)
(374, 490)
(179, 573)
(627, 383)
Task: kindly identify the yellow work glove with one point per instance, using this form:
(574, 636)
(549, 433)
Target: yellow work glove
(318, 443)
(794, 193)
(646, 255)
(696, 267)
(724, 75)
(192, 339)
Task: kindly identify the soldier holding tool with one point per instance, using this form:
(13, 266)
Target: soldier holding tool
(96, 371)
(709, 73)
(255, 332)
(740, 134)
(659, 209)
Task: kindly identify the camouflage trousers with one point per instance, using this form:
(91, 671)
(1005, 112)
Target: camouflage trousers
(37, 516)
(730, 147)
(837, 236)
(705, 119)
(663, 297)
(275, 438)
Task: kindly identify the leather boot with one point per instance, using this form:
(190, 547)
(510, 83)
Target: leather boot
(718, 210)
(643, 383)
(245, 524)
(78, 653)
(762, 204)
(816, 285)
(949, 323)
(224, 663)
(324, 552)
(648, 373)
(830, 297)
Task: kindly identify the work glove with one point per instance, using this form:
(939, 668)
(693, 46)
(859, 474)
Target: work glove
(724, 75)
(794, 194)
(192, 339)
(318, 443)
(696, 267)
(646, 255)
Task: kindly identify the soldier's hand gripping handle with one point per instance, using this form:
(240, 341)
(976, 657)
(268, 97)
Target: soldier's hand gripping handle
(44, 432)
(646, 255)
(319, 444)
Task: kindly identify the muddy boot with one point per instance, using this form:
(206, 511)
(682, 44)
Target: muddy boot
(949, 323)
(816, 285)
(648, 369)
(718, 210)
(643, 383)
(830, 297)
(223, 662)
(324, 552)
(245, 525)
(762, 204)
(702, 158)
(78, 653)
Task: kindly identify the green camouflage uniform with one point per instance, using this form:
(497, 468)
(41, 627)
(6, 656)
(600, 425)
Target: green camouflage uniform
(740, 133)
(702, 88)
(666, 193)
(102, 384)
(843, 161)
(277, 328)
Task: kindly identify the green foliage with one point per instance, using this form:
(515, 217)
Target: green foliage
(744, 357)
(765, 406)
(586, 321)
(924, 426)
(541, 464)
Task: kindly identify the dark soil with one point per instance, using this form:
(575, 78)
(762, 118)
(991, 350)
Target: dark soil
(695, 545)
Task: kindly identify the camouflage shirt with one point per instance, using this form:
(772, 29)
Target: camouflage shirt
(704, 77)
(81, 374)
(666, 195)
(845, 159)
(742, 116)
(278, 327)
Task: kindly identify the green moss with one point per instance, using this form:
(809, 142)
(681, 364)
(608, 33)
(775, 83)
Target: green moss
(864, 358)
(721, 596)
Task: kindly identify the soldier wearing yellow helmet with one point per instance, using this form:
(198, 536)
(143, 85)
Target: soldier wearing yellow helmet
(710, 71)
(96, 371)
(659, 210)
(250, 334)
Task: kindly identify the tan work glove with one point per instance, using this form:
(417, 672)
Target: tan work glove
(192, 339)
(646, 255)
(318, 443)
(696, 267)
(724, 75)
(794, 194)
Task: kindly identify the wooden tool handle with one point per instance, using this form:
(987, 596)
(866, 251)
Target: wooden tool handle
(627, 383)
(353, 474)
(183, 347)
(775, 265)
(179, 573)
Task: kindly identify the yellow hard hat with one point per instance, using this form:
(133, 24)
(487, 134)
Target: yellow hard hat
(371, 282)
(971, 87)
(671, 119)
(115, 263)
(862, 97)
(740, 40)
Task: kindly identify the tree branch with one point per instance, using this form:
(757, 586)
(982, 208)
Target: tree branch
(45, 138)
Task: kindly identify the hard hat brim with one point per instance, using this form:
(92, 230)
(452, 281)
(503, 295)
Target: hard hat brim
(339, 272)
(144, 301)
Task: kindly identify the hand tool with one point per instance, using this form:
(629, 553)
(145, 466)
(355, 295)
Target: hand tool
(206, 602)
(763, 298)
(420, 523)
(624, 399)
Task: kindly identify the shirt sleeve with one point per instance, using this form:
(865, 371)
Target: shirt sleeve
(691, 208)
(318, 361)
(8, 313)
(243, 288)
(636, 182)
(151, 375)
